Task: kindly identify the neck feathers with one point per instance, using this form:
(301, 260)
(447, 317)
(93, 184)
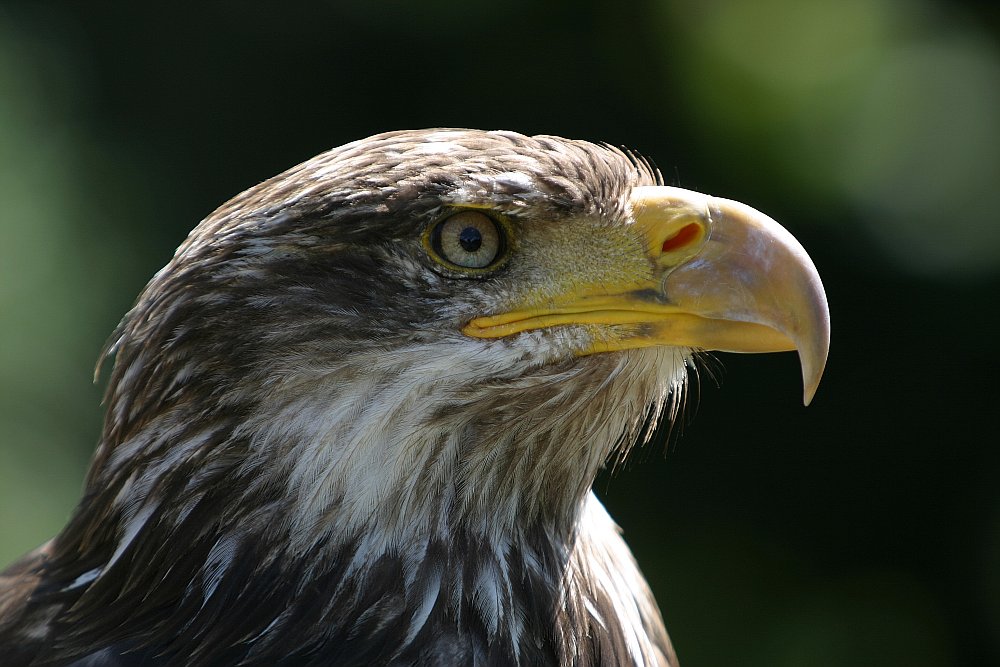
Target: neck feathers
(377, 520)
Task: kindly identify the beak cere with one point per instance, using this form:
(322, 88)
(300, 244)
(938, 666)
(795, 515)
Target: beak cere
(725, 277)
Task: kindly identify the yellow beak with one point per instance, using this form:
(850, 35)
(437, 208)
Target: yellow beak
(724, 277)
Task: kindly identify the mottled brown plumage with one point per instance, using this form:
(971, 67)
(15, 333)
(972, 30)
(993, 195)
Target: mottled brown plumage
(310, 458)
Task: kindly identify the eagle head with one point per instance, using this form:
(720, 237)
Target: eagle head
(356, 418)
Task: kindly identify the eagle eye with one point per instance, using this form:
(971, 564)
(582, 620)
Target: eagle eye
(467, 240)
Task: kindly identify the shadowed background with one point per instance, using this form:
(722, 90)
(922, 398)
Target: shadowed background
(862, 530)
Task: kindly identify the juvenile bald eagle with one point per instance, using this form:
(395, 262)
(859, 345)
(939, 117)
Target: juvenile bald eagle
(356, 419)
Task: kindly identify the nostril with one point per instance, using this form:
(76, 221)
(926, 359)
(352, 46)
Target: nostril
(684, 236)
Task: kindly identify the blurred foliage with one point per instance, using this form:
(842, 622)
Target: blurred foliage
(864, 530)
(889, 107)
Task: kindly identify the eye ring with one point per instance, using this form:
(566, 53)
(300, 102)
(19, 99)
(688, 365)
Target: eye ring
(468, 241)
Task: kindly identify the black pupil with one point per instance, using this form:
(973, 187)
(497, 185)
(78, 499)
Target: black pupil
(470, 239)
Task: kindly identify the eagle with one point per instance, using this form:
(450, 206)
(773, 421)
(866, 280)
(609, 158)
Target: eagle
(356, 419)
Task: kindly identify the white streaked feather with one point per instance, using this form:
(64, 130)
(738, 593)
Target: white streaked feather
(219, 559)
(132, 527)
(84, 579)
(431, 592)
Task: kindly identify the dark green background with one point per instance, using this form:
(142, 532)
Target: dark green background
(862, 530)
